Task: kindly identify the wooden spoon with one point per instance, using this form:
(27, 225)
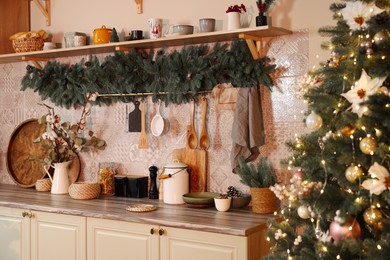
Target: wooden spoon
(143, 142)
(204, 141)
(192, 140)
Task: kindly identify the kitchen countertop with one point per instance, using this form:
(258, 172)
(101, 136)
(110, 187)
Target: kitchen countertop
(239, 222)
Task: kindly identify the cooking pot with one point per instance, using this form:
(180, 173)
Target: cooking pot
(101, 35)
(177, 184)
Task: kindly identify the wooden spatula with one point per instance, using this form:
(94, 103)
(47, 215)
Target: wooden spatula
(143, 142)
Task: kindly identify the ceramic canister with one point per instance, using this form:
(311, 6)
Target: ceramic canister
(177, 185)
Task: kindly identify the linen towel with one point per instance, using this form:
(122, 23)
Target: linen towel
(248, 126)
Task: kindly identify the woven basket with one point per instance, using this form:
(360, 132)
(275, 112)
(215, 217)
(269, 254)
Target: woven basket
(84, 190)
(263, 200)
(28, 44)
(43, 185)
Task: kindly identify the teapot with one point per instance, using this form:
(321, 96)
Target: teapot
(101, 35)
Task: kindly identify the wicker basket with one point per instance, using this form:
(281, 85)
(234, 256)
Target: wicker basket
(28, 44)
(84, 190)
(263, 200)
(43, 185)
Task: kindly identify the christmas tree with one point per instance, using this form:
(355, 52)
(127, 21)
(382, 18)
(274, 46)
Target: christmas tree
(336, 205)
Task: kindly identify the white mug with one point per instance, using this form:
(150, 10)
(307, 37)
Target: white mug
(155, 27)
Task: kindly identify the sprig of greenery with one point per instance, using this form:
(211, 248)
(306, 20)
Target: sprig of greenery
(262, 176)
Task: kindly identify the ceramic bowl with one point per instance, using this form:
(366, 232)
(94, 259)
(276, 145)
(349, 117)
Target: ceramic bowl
(222, 204)
(200, 198)
(241, 201)
(183, 29)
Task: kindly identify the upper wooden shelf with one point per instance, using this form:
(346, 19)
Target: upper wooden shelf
(255, 34)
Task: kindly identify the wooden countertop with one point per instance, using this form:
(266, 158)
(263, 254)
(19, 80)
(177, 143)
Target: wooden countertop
(240, 222)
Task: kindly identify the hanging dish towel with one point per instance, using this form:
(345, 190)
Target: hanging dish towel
(248, 127)
(225, 96)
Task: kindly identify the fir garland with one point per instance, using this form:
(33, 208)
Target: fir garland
(181, 74)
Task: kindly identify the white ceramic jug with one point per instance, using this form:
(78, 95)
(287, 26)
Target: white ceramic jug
(176, 185)
(60, 180)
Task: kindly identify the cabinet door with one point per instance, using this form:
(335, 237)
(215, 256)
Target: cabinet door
(119, 240)
(14, 234)
(58, 236)
(179, 244)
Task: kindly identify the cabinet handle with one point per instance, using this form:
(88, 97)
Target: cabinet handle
(161, 231)
(27, 214)
(152, 231)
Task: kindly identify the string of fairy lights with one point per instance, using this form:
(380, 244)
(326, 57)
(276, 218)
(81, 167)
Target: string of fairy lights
(354, 172)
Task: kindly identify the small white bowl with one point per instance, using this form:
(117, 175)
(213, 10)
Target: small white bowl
(222, 204)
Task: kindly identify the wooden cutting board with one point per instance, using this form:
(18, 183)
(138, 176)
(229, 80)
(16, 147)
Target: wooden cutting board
(196, 160)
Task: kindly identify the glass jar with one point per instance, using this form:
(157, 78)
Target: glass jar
(106, 178)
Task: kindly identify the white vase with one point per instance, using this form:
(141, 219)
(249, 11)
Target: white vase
(233, 21)
(60, 181)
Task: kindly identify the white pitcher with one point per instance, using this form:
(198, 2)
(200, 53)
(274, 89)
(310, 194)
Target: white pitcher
(60, 180)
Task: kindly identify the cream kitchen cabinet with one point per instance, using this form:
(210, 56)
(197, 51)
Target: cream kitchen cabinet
(112, 239)
(39, 235)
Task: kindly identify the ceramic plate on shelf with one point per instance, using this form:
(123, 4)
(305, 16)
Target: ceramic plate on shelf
(200, 198)
(23, 171)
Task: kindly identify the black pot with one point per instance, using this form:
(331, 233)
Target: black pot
(261, 20)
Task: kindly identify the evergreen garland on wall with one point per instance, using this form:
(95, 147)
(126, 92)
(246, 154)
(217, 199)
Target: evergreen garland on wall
(181, 74)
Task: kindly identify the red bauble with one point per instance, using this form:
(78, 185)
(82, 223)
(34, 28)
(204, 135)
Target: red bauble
(350, 229)
(298, 174)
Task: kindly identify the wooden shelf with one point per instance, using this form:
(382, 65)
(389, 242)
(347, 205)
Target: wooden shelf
(250, 34)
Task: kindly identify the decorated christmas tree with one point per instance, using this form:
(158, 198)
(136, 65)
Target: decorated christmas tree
(336, 205)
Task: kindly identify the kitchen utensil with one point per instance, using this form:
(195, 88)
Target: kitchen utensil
(60, 181)
(200, 198)
(206, 25)
(101, 35)
(143, 138)
(241, 202)
(192, 139)
(25, 172)
(204, 141)
(177, 184)
(196, 160)
(157, 125)
(134, 118)
(222, 204)
(155, 27)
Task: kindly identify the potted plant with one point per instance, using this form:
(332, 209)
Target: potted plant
(233, 16)
(263, 6)
(61, 143)
(259, 179)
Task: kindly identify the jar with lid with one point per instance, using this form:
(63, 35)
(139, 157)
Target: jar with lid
(106, 178)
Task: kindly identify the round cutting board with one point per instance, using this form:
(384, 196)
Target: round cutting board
(26, 172)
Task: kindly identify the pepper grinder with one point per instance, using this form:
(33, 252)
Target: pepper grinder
(153, 191)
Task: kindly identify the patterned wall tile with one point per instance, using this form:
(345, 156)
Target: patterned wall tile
(281, 114)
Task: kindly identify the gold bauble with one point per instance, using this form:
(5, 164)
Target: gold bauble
(368, 145)
(353, 173)
(372, 216)
(347, 130)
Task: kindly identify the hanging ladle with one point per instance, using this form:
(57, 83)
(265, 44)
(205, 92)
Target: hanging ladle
(204, 141)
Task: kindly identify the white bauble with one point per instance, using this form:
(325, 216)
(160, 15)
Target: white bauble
(303, 212)
(313, 121)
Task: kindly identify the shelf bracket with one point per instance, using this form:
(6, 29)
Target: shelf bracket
(35, 61)
(122, 48)
(139, 6)
(45, 10)
(255, 50)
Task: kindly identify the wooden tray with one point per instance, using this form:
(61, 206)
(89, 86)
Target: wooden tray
(25, 172)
